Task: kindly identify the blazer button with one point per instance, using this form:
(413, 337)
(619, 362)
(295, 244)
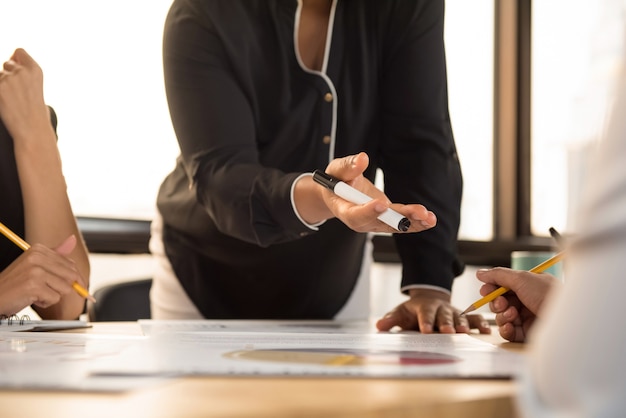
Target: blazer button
(326, 139)
(328, 97)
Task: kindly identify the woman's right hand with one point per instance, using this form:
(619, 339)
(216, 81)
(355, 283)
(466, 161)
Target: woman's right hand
(40, 276)
(315, 203)
(516, 310)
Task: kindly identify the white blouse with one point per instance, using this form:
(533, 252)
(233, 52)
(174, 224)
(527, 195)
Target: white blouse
(576, 359)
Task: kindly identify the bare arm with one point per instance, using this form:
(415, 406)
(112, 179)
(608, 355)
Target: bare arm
(49, 219)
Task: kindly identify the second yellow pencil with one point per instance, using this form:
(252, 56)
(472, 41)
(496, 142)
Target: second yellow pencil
(502, 290)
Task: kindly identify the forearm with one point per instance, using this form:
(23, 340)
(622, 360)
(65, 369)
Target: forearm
(48, 215)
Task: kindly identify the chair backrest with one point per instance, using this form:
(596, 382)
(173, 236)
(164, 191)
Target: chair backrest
(125, 301)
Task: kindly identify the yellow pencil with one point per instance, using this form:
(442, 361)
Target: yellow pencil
(502, 290)
(17, 240)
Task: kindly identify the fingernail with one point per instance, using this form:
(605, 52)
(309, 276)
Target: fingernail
(380, 208)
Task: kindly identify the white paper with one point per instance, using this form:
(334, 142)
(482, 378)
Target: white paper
(232, 348)
(154, 327)
(57, 361)
(92, 362)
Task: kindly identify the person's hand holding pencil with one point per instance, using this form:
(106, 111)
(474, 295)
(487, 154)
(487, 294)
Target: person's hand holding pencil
(516, 296)
(46, 273)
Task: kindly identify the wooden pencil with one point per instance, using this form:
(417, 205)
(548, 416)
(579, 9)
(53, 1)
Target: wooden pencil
(17, 240)
(502, 290)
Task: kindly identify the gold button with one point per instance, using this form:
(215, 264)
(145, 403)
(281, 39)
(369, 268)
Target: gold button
(328, 97)
(326, 139)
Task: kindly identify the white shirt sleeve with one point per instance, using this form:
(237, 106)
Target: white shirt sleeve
(576, 358)
(314, 227)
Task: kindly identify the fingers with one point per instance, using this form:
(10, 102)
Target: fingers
(22, 105)
(508, 332)
(10, 66)
(487, 289)
(364, 217)
(39, 276)
(348, 168)
(421, 218)
(499, 276)
(527, 289)
(359, 218)
(53, 263)
(431, 316)
(67, 246)
(65, 249)
(510, 324)
(358, 161)
(50, 291)
(22, 57)
(433, 310)
(478, 322)
(19, 59)
(426, 318)
(511, 314)
(499, 304)
(399, 317)
(449, 321)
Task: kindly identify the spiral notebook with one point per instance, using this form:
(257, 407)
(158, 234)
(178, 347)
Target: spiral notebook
(16, 323)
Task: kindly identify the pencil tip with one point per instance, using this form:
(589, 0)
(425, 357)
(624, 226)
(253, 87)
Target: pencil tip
(468, 310)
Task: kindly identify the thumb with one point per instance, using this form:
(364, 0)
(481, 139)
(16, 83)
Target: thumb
(500, 276)
(399, 317)
(387, 322)
(67, 246)
(350, 167)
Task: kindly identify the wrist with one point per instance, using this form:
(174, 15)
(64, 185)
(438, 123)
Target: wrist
(309, 201)
(430, 293)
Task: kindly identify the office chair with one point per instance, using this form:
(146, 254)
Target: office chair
(125, 301)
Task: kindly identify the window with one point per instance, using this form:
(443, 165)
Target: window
(469, 37)
(103, 75)
(573, 65)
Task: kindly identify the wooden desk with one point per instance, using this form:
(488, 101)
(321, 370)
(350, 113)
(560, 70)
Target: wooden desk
(275, 397)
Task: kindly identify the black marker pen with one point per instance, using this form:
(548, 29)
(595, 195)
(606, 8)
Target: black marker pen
(349, 193)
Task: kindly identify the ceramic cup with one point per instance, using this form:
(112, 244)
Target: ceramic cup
(526, 260)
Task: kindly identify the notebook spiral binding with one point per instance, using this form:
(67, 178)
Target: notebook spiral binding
(14, 319)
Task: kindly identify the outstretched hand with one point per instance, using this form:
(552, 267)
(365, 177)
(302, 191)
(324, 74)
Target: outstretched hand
(428, 311)
(364, 218)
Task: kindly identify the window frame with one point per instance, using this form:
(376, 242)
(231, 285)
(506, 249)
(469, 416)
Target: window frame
(512, 147)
